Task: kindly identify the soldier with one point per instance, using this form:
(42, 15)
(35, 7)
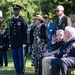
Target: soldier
(18, 37)
(3, 46)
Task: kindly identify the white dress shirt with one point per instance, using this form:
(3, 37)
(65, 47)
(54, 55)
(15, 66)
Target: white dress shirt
(60, 17)
(47, 25)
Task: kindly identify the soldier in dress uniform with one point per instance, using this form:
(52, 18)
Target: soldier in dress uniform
(18, 37)
(3, 46)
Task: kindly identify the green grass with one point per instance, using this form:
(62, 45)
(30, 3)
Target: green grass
(10, 70)
(28, 71)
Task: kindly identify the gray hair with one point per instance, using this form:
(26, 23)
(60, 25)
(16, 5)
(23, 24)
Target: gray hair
(72, 15)
(61, 7)
(60, 31)
(70, 29)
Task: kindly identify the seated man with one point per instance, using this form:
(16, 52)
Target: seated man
(66, 56)
(57, 41)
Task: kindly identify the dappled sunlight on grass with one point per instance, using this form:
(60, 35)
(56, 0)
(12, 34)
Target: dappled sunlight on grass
(29, 69)
(10, 70)
(7, 70)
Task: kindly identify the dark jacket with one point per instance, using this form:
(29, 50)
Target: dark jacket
(65, 48)
(65, 21)
(31, 35)
(18, 32)
(72, 52)
(57, 45)
(43, 35)
(4, 42)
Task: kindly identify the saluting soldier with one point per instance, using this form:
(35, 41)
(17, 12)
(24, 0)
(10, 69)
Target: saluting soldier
(3, 46)
(18, 37)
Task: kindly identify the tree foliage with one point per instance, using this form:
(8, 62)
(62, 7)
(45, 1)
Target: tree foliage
(33, 7)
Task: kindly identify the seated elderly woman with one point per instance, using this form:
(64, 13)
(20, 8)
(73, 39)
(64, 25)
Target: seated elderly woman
(57, 41)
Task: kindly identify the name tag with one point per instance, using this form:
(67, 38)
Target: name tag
(50, 30)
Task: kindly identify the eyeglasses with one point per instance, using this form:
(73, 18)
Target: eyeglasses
(58, 10)
(1, 28)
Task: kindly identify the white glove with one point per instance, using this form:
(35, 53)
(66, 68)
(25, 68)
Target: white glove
(9, 45)
(53, 42)
(24, 45)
